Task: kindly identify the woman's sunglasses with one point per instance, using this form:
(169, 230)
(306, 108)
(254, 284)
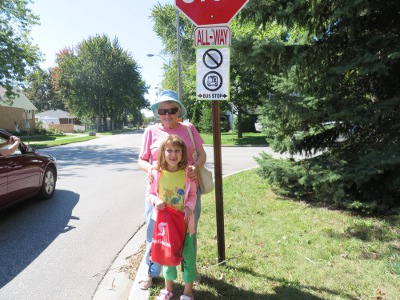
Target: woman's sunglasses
(170, 111)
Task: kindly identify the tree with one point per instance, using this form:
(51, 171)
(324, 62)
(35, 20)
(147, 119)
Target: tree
(165, 27)
(41, 90)
(99, 78)
(334, 90)
(18, 54)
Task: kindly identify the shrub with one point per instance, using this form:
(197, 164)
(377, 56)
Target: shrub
(325, 178)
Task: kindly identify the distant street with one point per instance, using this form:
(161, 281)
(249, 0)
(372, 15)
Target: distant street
(61, 248)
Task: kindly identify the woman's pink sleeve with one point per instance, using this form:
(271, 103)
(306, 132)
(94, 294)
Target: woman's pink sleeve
(145, 152)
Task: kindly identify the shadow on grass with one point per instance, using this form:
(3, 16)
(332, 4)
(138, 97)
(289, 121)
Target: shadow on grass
(212, 289)
(366, 231)
(283, 290)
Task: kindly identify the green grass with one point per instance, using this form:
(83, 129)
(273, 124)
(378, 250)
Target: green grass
(43, 141)
(227, 138)
(281, 249)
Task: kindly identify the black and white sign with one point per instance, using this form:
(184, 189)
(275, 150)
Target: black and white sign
(212, 79)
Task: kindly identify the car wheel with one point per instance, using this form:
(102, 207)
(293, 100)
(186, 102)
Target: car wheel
(49, 184)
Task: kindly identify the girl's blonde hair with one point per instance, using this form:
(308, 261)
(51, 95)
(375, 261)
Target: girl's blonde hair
(177, 142)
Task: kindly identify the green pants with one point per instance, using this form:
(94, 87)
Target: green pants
(189, 263)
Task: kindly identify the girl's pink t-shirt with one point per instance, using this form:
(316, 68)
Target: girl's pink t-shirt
(156, 134)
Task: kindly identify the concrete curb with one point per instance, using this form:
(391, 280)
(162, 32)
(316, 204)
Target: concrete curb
(116, 284)
(136, 292)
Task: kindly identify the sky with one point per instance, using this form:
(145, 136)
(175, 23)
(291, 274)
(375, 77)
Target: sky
(66, 23)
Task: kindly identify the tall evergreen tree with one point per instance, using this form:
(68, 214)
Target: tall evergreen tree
(335, 89)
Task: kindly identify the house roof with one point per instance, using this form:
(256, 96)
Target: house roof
(55, 113)
(20, 100)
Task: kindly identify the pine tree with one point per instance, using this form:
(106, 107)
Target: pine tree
(335, 89)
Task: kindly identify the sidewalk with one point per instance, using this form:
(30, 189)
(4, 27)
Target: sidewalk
(116, 284)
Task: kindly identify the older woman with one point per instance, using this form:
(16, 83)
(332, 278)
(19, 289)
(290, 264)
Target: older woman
(169, 110)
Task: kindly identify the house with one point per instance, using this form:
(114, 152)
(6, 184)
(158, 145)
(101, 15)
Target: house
(59, 120)
(18, 113)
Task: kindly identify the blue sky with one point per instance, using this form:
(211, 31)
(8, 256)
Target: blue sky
(66, 23)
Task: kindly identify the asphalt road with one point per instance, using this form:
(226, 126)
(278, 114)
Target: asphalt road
(61, 248)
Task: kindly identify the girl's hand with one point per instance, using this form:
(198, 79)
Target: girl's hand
(188, 213)
(159, 204)
(193, 169)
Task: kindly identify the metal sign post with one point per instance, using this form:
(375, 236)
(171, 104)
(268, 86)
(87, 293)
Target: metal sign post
(219, 199)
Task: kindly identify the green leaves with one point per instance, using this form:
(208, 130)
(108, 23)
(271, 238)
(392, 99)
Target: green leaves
(18, 55)
(99, 78)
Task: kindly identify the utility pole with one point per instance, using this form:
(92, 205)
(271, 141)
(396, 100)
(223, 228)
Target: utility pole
(178, 36)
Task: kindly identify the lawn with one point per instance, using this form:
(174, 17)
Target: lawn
(42, 141)
(281, 249)
(228, 139)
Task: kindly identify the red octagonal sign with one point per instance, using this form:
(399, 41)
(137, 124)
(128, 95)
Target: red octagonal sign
(210, 12)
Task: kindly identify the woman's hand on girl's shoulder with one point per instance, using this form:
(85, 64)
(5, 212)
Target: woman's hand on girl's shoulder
(192, 172)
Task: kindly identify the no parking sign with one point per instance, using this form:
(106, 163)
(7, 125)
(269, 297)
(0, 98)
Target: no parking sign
(212, 77)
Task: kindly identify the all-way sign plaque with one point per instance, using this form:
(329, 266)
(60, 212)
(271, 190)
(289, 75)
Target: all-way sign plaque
(212, 36)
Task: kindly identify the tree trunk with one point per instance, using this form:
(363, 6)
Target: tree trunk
(105, 128)
(99, 115)
(239, 124)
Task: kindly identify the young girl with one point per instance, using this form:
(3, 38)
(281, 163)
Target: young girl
(172, 187)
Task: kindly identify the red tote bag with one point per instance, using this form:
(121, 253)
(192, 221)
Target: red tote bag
(168, 237)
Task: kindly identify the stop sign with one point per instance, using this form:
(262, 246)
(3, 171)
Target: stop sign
(210, 12)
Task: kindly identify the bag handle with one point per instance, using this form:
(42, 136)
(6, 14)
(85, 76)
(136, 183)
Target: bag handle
(194, 145)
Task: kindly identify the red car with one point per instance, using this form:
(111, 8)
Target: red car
(25, 174)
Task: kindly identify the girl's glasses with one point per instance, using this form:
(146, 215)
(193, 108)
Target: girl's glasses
(170, 111)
